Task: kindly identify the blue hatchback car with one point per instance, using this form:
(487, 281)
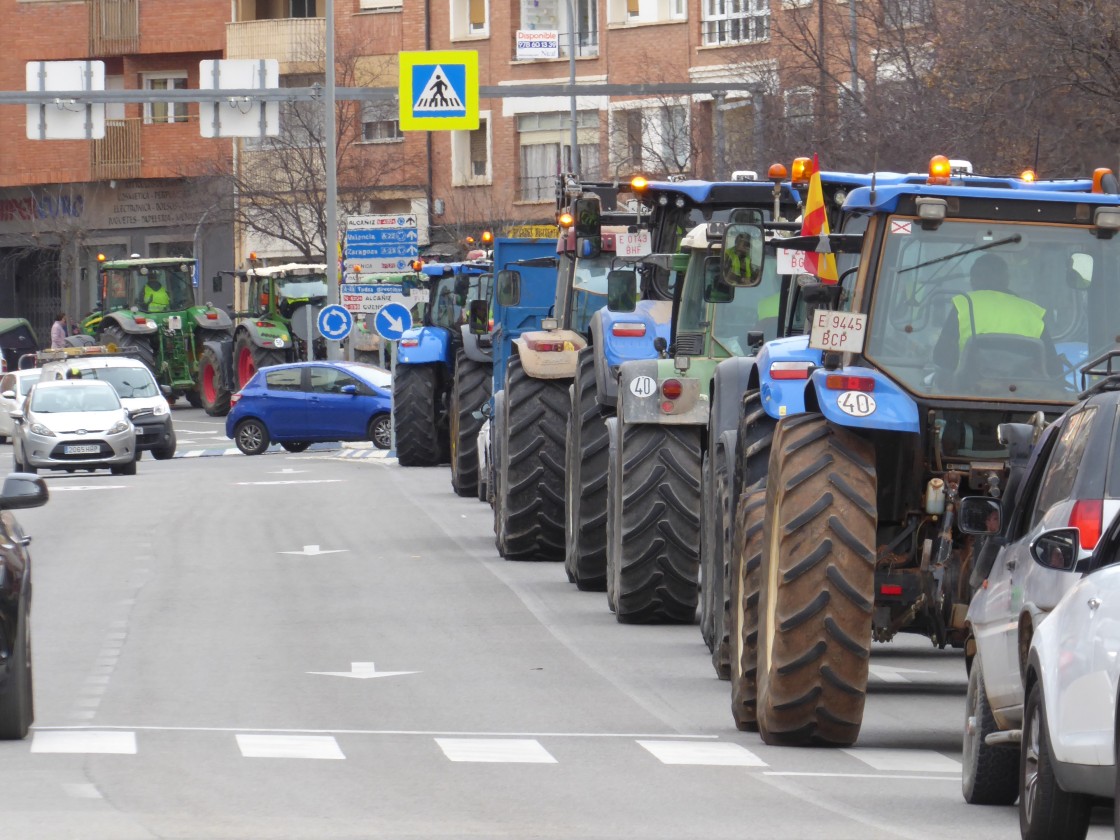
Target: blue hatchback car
(298, 404)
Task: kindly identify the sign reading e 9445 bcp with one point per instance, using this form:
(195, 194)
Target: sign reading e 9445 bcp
(841, 332)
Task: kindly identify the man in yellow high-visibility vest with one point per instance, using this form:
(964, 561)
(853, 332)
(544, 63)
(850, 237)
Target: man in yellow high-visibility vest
(156, 298)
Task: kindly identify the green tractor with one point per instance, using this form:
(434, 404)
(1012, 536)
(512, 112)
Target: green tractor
(148, 306)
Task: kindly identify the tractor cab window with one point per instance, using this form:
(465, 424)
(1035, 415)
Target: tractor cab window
(992, 310)
(447, 307)
(115, 293)
(160, 280)
(752, 309)
(302, 288)
(589, 290)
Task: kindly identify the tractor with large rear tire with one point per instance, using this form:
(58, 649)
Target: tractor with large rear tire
(859, 439)
(147, 306)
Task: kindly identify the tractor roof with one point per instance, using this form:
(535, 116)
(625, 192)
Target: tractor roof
(148, 261)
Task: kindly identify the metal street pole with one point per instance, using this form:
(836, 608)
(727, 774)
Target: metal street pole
(330, 239)
(572, 83)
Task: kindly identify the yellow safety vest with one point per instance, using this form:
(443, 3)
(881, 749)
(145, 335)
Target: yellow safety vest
(740, 266)
(999, 313)
(156, 300)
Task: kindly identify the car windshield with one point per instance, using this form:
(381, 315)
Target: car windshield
(1054, 288)
(371, 373)
(73, 398)
(129, 383)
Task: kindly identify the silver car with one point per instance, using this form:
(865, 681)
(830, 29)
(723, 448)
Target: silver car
(74, 424)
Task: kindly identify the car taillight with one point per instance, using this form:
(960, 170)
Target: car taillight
(671, 389)
(233, 398)
(837, 382)
(791, 370)
(1087, 517)
(629, 330)
(410, 342)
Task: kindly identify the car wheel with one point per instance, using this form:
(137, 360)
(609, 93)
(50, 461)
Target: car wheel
(251, 437)
(1045, 810)
(296, 446)
(17, 709)
(381, 431)
(990, 774)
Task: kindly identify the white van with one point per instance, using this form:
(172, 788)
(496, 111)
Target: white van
(138, 390)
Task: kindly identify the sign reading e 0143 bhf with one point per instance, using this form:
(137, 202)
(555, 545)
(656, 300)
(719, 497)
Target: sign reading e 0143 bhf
(438, 90)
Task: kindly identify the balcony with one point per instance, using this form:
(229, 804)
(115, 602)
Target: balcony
(114, 27)
(299, 44)
(117, 155)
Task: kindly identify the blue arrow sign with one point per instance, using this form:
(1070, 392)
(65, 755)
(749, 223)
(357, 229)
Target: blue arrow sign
(357, 252)
(392, 320)
(362, 237)
(335, 322)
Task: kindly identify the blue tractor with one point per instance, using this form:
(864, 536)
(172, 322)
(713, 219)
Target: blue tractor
(874, 424)
(425, 364)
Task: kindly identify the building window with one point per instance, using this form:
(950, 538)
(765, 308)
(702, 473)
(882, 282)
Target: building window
(470, 155)
(381, 122)
(301, 8)
(470, 18)
(799, 104)
(652, 139)
(735, 21)
(899, 14)
(553, 15)
(646, 11)
(394, 5)
(165, 112)
(545, 142)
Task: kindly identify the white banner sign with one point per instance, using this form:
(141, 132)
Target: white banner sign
(537, 43)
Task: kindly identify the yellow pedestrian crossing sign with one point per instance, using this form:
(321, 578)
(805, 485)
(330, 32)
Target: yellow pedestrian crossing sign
(438, 90)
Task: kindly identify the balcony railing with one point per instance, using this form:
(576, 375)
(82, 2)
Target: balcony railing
(114, 27)
(117, 155)
(288, 40)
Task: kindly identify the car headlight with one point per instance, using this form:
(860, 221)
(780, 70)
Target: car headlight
(40, 429)
(117, 428)
(160, 410)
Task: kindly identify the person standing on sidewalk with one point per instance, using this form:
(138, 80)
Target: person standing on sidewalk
(58, 331)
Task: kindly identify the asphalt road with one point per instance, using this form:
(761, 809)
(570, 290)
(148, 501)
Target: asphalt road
(326, 645)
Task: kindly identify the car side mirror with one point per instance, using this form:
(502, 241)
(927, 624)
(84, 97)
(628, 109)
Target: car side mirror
(23, 490)
(348, 389)
(166, 390)
(478, 317)
(8, 395)
(980, 516)
(1057, 549)
(17, 416)
(509, 287)
(622, 290)
(216, 283)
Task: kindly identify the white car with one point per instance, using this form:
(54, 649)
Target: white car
(71, 424)
(14, 386)
(1066, 483)
(138, 390)
(1068, 751)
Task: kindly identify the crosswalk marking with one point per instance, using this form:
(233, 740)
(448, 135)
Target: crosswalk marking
(71, 741)
(289, 746)
(504, 750)
(719, 754)
(911, 761)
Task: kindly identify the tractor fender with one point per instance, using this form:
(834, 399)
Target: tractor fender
(126, 320)
(222, 345)
(640, 399)
(550, 364)
(472, 348)
(425, 345)
(784, 397)
(277, 340)
(886, 407)
(211, 318)
(613, 347)
(733, 378)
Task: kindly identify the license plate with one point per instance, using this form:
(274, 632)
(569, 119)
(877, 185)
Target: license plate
(637, 244)
(839, 331)
(81, 449)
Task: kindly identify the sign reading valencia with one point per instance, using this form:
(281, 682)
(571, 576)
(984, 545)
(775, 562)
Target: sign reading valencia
(438, 90)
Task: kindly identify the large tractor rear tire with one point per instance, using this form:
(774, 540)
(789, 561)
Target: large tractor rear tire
(658, 524)
(752, 447)
(248, 358)
(746, 565)
(614, 492)
(585, 482)
(714, 554)
(532, 482)
(213, 390)
(140, 345)
(415, 392)
(470, 391)
(817, 584)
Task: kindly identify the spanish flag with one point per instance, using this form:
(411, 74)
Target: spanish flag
(814, 222)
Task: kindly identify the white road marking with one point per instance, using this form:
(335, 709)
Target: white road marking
(495, 750)
(289, 746)
(315, 551)
(287, 471)
(890, 674)
(361, 671)
(293, 481)
(82, 790)
(90, 741)
(69, 487)
(721, 754)
(956, 779)
(426, 733)
(906, 761)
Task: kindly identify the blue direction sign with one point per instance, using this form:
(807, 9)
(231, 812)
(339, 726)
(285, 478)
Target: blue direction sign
(335, 322)
(392, 320)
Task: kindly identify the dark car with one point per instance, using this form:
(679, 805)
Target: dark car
(298, 404)
(17, 708)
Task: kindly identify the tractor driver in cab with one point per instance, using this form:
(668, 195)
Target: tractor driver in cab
(992, 310)
(737, 261)
(156, 298)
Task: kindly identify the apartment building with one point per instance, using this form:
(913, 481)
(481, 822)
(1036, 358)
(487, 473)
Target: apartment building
(153, 186)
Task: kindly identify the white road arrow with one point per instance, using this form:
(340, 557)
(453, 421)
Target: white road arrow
(315, 551)
(362, 671)
(890, 674)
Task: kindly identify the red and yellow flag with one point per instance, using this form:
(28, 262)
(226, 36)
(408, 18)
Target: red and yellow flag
(814, 222)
